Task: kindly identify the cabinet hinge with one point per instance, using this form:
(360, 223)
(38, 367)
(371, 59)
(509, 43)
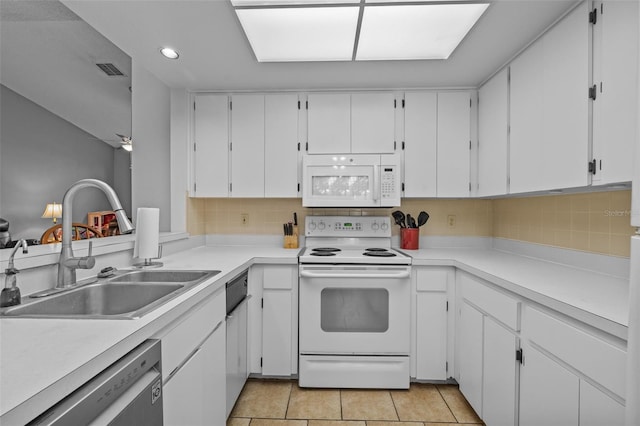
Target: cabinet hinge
(306, 147)
(519, 356)
(469, 145)
(403, 145)
(298, 186)
(394, 145)
(260, 361)
(306, 104)
(447, 306)
(446, 366)
(230, 187)
(298, 104)
(403, 103)
(470, 102)
(402, 186)
(194, 187)
(593, 16)
(262, 306)
(231, 105)
(592, 167)
(469, 186)
(298, 146)
(230, 146)
(194, 147)
(194, 105)
(395, 104)
(592, 92)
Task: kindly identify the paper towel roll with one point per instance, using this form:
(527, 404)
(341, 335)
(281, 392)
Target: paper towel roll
(147, 233)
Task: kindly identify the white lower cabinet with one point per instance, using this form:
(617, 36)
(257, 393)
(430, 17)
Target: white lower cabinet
(273, 320)
(549, 394)
(470, 355)
(236, 362)
(193, 366)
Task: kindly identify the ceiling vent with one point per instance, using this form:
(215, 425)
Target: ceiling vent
(110, 70)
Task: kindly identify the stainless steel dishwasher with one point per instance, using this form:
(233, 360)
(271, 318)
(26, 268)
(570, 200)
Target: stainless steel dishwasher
(129, 392)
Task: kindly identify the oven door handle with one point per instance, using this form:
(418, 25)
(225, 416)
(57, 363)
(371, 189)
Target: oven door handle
(342, 274)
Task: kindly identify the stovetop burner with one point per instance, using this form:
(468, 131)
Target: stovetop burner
(322, 253)
(376, 249)
(379, 254)
(326, 249)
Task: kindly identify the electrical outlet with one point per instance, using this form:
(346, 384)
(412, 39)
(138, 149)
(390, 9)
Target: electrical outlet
(244, 218)
(451, 221)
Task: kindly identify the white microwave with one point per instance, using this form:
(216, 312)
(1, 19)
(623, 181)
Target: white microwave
(356, 180)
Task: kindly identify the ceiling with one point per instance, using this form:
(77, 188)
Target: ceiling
(215, 54)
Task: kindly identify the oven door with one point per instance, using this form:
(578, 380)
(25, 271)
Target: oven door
(354, 309)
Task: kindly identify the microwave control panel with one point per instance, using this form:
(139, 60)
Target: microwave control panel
(390, 185)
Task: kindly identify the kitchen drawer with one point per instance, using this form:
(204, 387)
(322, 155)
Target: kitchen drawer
(496, 304)
(180, 339)
(586, 353)
(432, 278)
(278, 277)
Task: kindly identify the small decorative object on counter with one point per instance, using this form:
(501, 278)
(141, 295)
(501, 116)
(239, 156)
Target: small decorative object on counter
(291, 233)
(10, 295)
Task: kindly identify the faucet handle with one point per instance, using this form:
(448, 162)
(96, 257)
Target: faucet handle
(88, 261)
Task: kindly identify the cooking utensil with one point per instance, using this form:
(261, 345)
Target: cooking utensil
(398, 216)
(411, 222)
(423, 217)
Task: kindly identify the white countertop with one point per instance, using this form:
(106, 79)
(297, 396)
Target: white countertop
(43, 360)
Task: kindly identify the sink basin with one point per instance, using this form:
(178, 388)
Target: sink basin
(127, 295)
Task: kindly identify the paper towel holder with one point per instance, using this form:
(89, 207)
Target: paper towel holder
(149, 263)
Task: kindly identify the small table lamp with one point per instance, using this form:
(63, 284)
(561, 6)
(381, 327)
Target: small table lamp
(52, 211)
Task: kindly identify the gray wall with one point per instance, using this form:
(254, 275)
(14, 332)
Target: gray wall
(41, 155)
(151, 134)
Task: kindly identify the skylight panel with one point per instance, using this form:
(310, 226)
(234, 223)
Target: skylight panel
(421, 31)
(300, 34)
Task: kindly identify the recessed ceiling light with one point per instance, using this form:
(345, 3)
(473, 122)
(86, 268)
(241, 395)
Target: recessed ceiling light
(168, 52)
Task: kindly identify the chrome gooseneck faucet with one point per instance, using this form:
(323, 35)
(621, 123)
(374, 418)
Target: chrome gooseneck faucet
(67, 264)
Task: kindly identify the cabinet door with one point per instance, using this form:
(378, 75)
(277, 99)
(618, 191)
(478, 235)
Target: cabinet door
(499, 375)
(454, 144)
(548, 392)
(493, 114)
(420, 138)
(615, 110)
(276, 333)
(329, 123)
(195, 394)
(470, 355)
(281, 146)
(526, 109)
(211, 146)
(372, 123)
(431, 340)
(597, 408)
(247, 146)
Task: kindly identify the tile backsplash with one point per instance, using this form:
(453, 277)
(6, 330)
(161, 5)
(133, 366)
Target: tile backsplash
(594, 222)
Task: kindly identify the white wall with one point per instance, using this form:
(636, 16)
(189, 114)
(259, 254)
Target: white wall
(151, 174)
(41, 155)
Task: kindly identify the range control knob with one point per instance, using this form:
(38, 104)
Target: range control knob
(375, 226)
(384, 226)
(312, 226)
(321, 226)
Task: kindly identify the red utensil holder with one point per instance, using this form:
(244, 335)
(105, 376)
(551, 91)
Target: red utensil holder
(410, 238)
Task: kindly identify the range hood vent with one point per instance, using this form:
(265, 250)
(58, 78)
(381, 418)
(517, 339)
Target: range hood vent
(110, 70)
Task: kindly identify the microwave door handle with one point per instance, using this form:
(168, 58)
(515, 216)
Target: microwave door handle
(376, 182)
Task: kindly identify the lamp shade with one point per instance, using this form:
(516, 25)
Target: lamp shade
(52, 211)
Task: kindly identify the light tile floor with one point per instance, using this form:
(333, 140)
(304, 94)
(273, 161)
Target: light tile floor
(283, 403)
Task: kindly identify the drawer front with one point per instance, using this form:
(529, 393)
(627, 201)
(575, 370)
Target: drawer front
(498, 305)
(278, 277)
(590, 355)
(432, 278)
(182, 339)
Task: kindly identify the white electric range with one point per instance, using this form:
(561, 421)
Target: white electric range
(354, 305)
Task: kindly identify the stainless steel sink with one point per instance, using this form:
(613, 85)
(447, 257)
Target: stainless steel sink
(127, 295)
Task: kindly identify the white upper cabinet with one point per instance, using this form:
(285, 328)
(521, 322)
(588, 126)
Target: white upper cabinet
(373, 123)
(615, 71)
(343, 123)
(329, 123)
(420, 144)
(493, 122)
(454, 144)
(211, 146)
(247, 146)
(549, 109)
(281, 146)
